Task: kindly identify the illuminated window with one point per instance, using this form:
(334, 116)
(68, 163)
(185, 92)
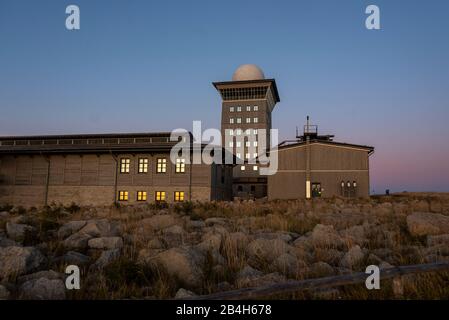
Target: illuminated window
(123, 195)
(255, 155)
(179, 195)
(239, 144)
(255, 143)
(354, 184)
(256, 119)
(231, 109)
(248, 120)
(247, 156)
(247, 144)
(238, 155)
(141, 196)
(143, 165)
(231, 132)
(231, 144)
(238, 132)
(124, 165)
(255, 168)
(242, 168)
(231, 120)
(239, 120)
(239, 109)
(161, 165)
(255, 131)
(248, 131)
(180, 165)
(160, 196)
(256, 108)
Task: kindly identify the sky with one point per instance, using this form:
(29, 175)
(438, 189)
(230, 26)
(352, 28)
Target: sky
(147, 66)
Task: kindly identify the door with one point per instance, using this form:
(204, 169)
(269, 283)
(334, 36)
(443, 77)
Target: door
(316, 190)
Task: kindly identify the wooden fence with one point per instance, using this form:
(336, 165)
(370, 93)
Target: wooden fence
(334, 281)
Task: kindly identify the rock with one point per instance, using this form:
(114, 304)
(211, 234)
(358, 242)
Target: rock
(17, 231)
(215, 221)
(158, 222)
(70, 228)
(354, 234)
(106, 243)
(263, 280)
(19, 260)
(106, 257)
(284, 236)
(5, 242)
(155, 244)
(325, 236)
(183, 293)
(235, 240)
(183, 263)
(77, 241)
(353, 257)
(288, 264)
(211, 242)
(43, 289)
(321, 269)
(267, 250)
(145, 256)
(196, 224)
(75, 258)
(247, 275)
(101, 228)
(173, 236)
(440, 239)
(330, 256)
(422, 223)
(49, 274)
(4, 293)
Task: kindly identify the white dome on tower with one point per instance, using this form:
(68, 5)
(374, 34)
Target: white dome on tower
(248, 72)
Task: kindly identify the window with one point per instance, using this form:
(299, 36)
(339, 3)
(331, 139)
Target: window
(161, 165)
(239, 144)
(238, 132)
(248, 131)
(141, 196)
(247, 156)
(248, 120)
(239, 120)
(231, 132)
(231, 120)
(239, 109)
(242, 168)
(248, 108)
(124, 165)
(238, 155)
(255, 143)
(160, 195)
(256, 108)
(180, 165)
(253, 188)
(179, 195)
(240, 188)
(231, 109)
(247, 144)
(255, 168)
(143, 165)
(256, 120)
(255, 155)
(123, 195)
(255, 131)
(231, 144)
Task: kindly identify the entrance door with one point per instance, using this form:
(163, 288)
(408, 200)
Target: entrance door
(316, 190)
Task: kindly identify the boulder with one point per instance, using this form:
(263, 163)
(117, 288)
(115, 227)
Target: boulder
(106, 243)
(77, 241)
(101, 228)
(210, 242)
(325, 236)
(424, 223)
(439, 239)
(352, 258)
(160, 221)
(75, 258)
(106, 257)
(70, 228)
(267, 250)
(17, 231)
(196, 224)
(183, 293)
(183, 263)
(289, 265)
(216, 221)
(43, 289)
(321, 269)
(247, 275)
(48, 274)
(173, 236)
(5, 242)
(19, 260)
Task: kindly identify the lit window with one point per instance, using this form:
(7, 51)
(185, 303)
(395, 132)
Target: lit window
(161, 165)
(256, 120)
(247, 156)
(254, 155)
(160, 195)
(179, 195)
(231, 144)
(180, 165)
(248, 131)
(348, 184)
(239, 120)
(255, 168)
(231, 120)
(231, 109)
(242, 168)
(239, 144)
(247, 144)
(123, 195)
(124, 165)
(231, 132)
(255, 131)
(248, 120)
(248, 108)
(255, 143)
(256, 108)
(354, 184)
(238, 132)
(239, 109)
(143, 165)
(141, 196)
(238, 155)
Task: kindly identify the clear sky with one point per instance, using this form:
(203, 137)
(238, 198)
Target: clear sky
(143, 66)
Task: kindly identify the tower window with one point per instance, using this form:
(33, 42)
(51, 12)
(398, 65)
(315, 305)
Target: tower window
(231, 132)
(161, 165)
(255, 131)
(231, 120)
(242, 168)
(247, 144)
(180, 165)
(123, 195)
(239, 109)
(248, 108)
(124, 165)
(248, 120)
(239, 120)
(143, 165)
(179, 196)
(231, 144)
(160, 195)
(239, 144)
(238, 132)
(231, 109)
(256, 108)
(256, 119)
(255, 143)
(141, 196)
(247, 156)
(238, 155)
(255, 168)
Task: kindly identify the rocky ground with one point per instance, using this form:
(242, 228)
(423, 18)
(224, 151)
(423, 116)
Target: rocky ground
(167, 251)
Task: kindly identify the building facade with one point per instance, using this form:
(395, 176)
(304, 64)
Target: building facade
(104, 169)
(247, 103)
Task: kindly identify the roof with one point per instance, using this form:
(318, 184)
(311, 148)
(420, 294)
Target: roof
(272, 81)
(369, 149)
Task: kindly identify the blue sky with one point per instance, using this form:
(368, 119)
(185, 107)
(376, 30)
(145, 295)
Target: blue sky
(148, 66)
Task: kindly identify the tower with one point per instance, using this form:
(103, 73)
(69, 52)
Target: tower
(247, 103)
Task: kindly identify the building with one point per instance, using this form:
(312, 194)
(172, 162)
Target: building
(247, 103)
(316, 166)
(103, 169)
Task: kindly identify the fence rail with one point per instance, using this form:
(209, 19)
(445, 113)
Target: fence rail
(334, 281)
